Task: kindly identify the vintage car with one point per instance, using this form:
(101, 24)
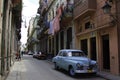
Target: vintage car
(39, 55)
(74, 61)
(42, 56)
(35, 55)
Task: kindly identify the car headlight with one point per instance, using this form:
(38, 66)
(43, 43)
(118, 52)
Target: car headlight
(93, 66)
(79, 67)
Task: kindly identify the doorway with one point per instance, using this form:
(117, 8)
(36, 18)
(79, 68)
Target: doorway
(84, 46)
(62, 40)
(69, 38)
(106, 52)
(57, 43)
(93, 48)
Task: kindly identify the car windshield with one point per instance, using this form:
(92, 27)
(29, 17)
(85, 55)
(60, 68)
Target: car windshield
(76, 54)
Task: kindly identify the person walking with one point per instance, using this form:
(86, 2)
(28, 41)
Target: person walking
(18, 56)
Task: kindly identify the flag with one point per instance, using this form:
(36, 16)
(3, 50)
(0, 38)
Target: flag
(59, 12)
(51, 29)
(56, 24)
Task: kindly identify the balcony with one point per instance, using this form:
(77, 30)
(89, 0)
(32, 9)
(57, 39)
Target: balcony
(84, 7)
(15, 2)
(39, 10)
(40, 21)
(43, 8)
(17, 12)
(67, 14)
(43, 11)
(41, 33)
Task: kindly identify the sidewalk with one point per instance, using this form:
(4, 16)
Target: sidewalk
(15, 72)
(108, 76)
(18, 67)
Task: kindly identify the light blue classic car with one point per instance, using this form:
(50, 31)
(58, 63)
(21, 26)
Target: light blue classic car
(74, 61)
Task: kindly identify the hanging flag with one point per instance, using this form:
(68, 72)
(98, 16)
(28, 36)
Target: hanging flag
(59, 12)
(51, 29)
(56, 24)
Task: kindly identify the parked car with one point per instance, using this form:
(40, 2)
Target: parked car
(39, 55)
(74, 61)
(35, 55)
(30, 53)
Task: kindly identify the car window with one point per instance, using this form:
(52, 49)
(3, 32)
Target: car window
(64, 54)
(77, 53)
(60, 53)
(69, 54)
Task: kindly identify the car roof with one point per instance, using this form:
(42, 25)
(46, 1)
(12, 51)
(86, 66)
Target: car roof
(71, 50)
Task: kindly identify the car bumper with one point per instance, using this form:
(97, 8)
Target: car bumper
(85, 71)
(41, 57)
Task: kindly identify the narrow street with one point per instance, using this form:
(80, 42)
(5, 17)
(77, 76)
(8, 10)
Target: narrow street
(32, 69)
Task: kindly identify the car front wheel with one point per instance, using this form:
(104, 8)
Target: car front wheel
(71, 72)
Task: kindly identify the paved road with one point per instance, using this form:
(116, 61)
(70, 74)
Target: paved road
(32, 69)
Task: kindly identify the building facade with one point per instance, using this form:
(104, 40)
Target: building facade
(56, 21)
(1, 17)
(33, 29)
(42, 34)
(36, 31)
(30, 35)
(84, 26)
(10, 24)
(97, 33)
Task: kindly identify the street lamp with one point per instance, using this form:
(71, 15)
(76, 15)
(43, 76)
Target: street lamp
(107, 10)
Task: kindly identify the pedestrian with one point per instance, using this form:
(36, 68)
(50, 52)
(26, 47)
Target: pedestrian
(18, 56)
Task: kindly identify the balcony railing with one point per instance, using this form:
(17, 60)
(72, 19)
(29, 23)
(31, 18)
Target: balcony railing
(41, 33)
(16, 1)
(67, 14)
(40, 21)
(83, 7)
(42, 7)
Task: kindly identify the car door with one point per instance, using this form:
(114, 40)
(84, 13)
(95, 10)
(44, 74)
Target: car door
(63, 60)
(59, 58)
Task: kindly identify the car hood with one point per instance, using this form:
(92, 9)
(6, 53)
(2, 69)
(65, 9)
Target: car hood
(82, 60)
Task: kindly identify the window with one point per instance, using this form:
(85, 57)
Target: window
(87, 25)
(69, 54)
(64, 54)
(77, 54)
(60, 53)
